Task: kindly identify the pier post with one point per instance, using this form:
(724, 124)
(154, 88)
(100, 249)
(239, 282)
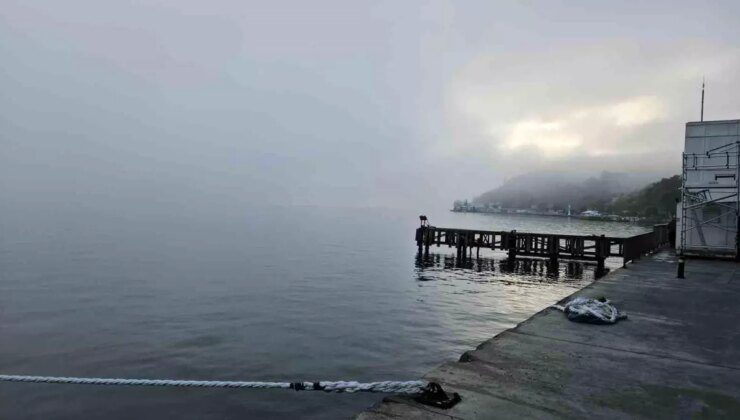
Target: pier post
(554, 248)
(419, 236)
(601, 254)
(458, 245)
(681, 264)
(511, 244)
(427, 240)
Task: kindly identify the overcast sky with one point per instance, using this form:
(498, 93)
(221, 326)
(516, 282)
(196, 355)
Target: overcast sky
(351, 103)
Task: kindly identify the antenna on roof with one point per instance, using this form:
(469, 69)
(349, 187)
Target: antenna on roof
(702, 99)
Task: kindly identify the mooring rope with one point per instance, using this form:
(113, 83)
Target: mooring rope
(398, 387)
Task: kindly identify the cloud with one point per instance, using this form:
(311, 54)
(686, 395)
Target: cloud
(620, 107)
(635, 111)
(558, 139)
(553, 139)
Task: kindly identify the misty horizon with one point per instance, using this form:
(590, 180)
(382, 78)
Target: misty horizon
(377, 104)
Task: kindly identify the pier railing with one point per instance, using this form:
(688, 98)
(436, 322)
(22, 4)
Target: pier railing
(552, 246)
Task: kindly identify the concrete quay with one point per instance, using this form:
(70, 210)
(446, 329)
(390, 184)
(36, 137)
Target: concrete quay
(676, 356)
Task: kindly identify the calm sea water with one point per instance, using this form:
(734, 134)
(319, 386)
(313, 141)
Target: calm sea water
(279, 294)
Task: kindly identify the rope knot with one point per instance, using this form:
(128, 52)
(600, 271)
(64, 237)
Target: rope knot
(298, 386)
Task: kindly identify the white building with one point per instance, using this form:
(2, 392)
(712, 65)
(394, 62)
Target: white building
(708, 211)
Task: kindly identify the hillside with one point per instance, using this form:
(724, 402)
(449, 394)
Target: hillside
(611, 193)
(557, 191)
(655, 201)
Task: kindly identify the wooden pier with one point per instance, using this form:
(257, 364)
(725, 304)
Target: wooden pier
(544, 245)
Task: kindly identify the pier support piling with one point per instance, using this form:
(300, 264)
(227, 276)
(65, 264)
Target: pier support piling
(602, 252)
(554, 244)
(419, 236)
(511, 244)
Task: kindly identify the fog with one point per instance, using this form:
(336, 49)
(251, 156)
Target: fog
(394, 104)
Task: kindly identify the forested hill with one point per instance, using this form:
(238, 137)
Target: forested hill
(557, 191)
(609, 192)
(656, 201)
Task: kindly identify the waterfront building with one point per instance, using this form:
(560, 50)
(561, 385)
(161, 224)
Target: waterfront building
(708, 212)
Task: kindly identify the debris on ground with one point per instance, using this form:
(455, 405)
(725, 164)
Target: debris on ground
(591, 311)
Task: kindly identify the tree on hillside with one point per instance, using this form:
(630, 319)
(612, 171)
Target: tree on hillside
(656, 201)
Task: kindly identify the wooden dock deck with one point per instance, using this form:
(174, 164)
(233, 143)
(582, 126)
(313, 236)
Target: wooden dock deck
(545, 245)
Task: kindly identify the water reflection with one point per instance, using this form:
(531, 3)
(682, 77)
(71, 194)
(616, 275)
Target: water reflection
(433, 266)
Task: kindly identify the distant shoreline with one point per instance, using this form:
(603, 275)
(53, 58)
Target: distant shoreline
(573, 216)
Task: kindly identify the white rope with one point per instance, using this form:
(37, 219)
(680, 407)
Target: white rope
(400, 387)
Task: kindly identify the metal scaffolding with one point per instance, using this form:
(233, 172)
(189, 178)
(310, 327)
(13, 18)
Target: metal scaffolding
(710, 201)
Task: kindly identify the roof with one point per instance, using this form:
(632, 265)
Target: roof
(712, 122)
